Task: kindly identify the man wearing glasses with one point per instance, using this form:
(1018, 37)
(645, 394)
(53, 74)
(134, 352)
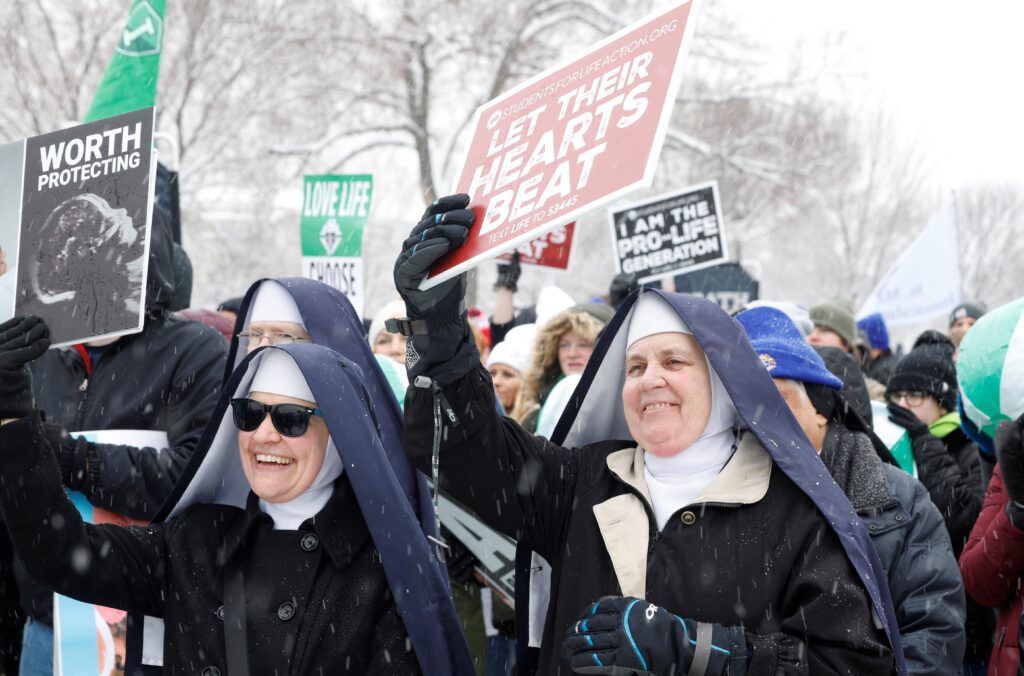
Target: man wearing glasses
(922, 396)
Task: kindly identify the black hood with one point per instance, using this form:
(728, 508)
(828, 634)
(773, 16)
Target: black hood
(160, 277)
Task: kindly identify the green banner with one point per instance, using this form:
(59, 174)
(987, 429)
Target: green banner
(335, 210)
(131, 77)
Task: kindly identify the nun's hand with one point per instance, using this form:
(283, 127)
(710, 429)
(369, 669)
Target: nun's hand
(443, 227)
(22, 339)
(626, 635)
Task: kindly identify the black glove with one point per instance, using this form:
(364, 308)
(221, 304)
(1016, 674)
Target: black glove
(1010, 452)
(622, 635)
(906, 419)
(441, 344)
(508, 274)
(71, 454)
(22, 339)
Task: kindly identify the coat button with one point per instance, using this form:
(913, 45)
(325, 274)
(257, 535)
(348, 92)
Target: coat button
(210, 671)
(220, 613)
(873, 526)
(309, 542)
(286, 611)
(899, 517)
(688, 517)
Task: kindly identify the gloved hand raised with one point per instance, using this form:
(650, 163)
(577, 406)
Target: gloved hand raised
(440, 344)
(443, 227)
(508, 274)
(22, 339)
(622, 635)
(906, 419)
(1010, 452)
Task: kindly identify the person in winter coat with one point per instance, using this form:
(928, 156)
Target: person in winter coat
(716, 559)
(922, 399)
(562, 347)
(878, 359)
(905, 527)
(164, 380)
(992, 395)
(289, 549)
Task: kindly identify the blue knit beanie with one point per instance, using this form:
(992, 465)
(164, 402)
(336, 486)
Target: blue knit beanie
(874, 329)
(783, 349)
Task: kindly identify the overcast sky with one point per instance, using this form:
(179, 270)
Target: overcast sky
(951, 73)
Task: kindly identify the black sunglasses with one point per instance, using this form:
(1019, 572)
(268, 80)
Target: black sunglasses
(291, 420)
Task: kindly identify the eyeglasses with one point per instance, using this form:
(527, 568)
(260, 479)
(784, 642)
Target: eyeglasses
(913, 398)
(257, 337)
(291, 420)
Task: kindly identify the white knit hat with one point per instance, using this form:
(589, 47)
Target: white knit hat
(392, 310)
(516, 349)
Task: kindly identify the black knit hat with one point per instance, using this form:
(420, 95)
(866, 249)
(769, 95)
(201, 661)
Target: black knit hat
(969, 309)
(927, 368)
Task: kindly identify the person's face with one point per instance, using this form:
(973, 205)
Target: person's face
(814, 424)
(506, 384)
(667, 393)
(390, 345)
(963, 324)
(281, 468)
(826, 338)
(275, 333)
(573, 353)
(924, 406)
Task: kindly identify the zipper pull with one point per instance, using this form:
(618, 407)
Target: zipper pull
(84, 386)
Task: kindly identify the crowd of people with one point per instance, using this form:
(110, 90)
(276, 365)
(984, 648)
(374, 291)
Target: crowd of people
(782, 491)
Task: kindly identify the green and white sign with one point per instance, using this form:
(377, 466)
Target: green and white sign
(335, 210)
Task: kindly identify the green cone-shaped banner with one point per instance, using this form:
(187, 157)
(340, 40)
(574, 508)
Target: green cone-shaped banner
(130, 81)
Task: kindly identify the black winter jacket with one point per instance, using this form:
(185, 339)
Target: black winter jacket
(950, 469)
(913, 545)
(752, 550)
(316, 600)
(165, 378)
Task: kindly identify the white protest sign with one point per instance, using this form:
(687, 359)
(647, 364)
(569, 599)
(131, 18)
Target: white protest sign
(924, 282)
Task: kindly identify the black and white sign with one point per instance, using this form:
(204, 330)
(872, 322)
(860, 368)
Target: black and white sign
(727, 284)
(86, 203)
(669, 234)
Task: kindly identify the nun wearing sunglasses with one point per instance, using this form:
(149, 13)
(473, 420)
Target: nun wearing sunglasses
(288, 547)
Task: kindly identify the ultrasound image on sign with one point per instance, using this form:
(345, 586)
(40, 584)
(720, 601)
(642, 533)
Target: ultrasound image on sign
(86, 207)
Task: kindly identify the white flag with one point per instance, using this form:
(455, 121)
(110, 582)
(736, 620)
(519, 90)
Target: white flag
(924, 282)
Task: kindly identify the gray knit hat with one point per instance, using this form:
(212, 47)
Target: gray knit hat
(836, 315)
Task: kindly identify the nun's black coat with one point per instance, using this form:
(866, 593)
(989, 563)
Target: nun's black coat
(323, 581)
(773, 565)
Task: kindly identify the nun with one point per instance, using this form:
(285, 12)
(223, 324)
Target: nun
(690, 527)
(290, 547)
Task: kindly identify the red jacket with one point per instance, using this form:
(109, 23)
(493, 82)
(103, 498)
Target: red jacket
(992, 565)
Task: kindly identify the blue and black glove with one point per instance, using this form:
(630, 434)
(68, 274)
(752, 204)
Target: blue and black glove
(440, 343)
(623, 636)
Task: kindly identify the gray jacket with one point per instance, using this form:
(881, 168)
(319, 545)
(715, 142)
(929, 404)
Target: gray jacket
(914, 547)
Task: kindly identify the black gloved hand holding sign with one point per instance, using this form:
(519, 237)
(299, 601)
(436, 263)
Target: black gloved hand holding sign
(440, 344)
(1009, 445)
(22, 339)
(621, 635)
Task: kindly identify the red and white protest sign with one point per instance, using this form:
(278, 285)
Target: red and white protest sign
(550, 250)
(571, 139)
